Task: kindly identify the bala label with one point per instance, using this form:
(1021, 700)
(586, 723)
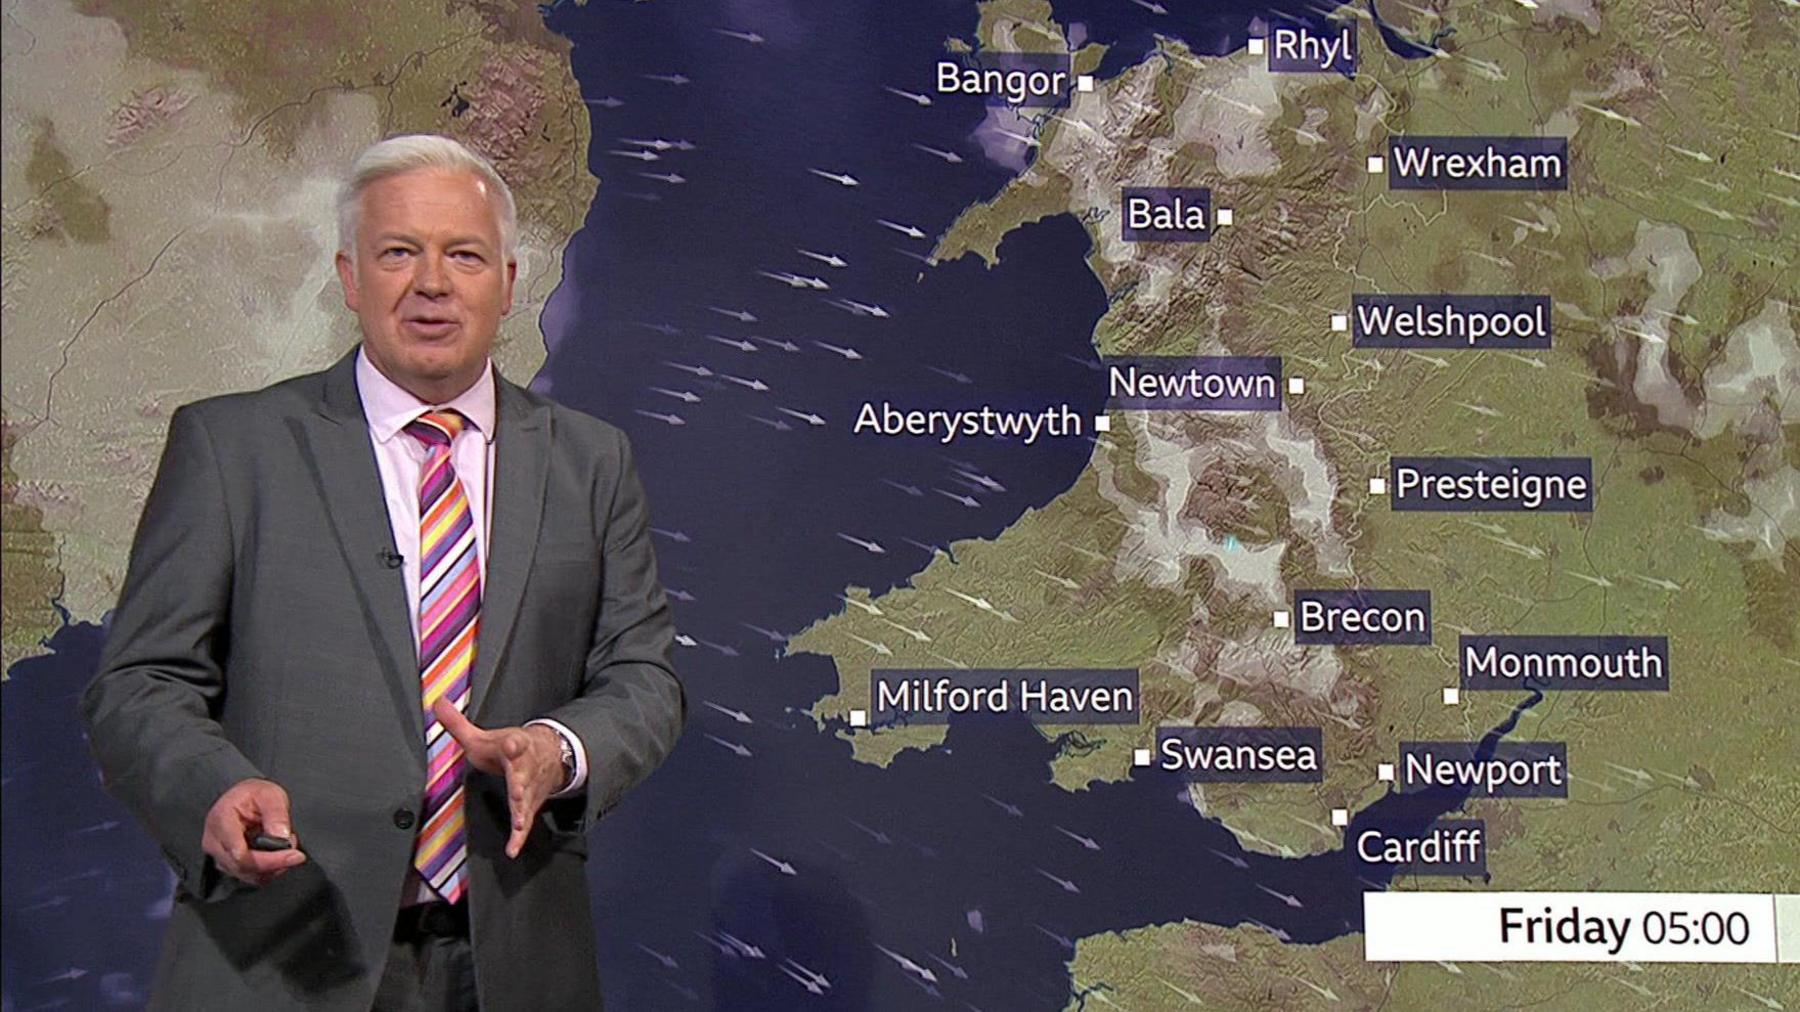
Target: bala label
(1165, 214)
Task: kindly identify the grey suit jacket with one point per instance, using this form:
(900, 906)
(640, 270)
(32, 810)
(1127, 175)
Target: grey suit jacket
(260, 633)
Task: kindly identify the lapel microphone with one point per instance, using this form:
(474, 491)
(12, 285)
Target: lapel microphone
(392, 559)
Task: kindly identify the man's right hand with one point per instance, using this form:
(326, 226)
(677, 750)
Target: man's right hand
(248, 808)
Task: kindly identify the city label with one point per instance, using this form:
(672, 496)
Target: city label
(1510, 322)
(1204, 383)
(1501, 484)
(1026, 80)
(1047, 695)
(1446, 847)
(1308, 50)
(1165, 214)
(1362, 617)
(1514, 769)
(1564, 663)
(1218, 755)
(1478, 163)
(987, 421)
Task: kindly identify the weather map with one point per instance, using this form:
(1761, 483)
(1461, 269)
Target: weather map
(1148, 489)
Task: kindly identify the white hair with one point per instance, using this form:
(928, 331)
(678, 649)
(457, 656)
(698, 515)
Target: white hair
(408, 152)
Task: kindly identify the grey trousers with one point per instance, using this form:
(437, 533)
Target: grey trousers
(428, 975)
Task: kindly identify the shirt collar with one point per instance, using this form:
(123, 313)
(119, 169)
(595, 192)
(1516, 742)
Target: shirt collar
(389, 407)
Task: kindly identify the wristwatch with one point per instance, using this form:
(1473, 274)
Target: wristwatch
(568, 759)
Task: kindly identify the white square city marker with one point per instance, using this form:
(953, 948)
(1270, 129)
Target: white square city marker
(1340, 322)
(1084, 82)
(1257, 47)
(1377, 165)
(1385, 771)
(1340, 817)
(1283, 620)
(1452, 695)
(1140, 757)
(1296, 385)
(1378, 486)
(1102, 423)
(859, 718)
(1222, 217)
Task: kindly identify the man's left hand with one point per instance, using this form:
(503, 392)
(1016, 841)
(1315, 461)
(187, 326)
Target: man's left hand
(530, 758)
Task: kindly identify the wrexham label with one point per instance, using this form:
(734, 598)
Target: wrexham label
(1477, 163)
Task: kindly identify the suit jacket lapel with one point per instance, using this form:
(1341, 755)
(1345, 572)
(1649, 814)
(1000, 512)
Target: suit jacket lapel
(516, 502)
(336, 444)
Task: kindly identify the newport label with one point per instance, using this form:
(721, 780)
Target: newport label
(1512, 322)
(1205, 383)
(1362, 617)
(1049, 695)
(1446, 847)
(1562, 663)
(1310, 50)
(1165, 214)
(1029, 80)
(1505, 484)
(1218, 755)
(1478, 163)
(1513, 769)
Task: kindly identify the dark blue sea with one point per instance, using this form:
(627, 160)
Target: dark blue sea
(667, 326)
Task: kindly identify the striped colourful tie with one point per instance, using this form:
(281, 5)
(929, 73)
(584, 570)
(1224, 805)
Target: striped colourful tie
(449, 615)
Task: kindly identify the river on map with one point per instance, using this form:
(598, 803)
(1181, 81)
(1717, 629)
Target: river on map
(762, 520)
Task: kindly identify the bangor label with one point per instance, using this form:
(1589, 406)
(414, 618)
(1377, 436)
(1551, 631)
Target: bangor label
(1027, 80)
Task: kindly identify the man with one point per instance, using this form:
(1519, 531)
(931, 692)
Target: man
(390, 641)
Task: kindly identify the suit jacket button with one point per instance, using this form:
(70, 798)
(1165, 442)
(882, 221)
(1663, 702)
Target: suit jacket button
(403, 818)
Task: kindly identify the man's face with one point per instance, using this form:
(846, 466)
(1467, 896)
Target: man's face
(428, 285)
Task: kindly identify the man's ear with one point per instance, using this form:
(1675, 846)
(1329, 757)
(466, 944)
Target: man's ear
(347, 275)
(512, 274)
